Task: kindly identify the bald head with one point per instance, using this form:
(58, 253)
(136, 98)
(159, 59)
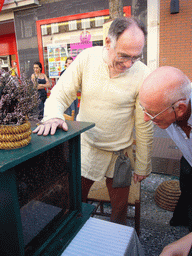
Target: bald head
(165, 85)
(165, 95)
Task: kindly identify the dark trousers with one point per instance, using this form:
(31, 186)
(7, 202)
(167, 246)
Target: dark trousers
(183, 210)
(41, 109)
(42, 97)
(118, 198)
(74, 106)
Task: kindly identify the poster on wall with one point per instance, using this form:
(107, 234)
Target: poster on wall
(57, 55)
(85, 42)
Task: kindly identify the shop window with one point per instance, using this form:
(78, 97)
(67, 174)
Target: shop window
(85, 23)
(69, 39)
(99, 21)
(5, 62)
(44, 30)
(72, 25)
(62, 37)
(54, 28)
(9, 63)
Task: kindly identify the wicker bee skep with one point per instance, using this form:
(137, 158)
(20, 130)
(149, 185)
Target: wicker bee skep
(167, 194)
(12, 136)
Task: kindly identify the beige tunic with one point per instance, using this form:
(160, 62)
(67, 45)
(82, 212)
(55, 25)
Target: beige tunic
(112, 104)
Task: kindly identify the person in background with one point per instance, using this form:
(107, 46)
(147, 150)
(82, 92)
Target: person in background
(68, 61)
(109, 79)
(74, 105)
(165, 97)
(41, 80)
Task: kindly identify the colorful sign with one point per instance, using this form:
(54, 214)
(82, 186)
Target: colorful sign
(57, 55)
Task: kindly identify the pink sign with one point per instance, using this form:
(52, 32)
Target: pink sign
(76, 48)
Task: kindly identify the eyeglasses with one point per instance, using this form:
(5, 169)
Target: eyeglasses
(133, 59)
(153, 117)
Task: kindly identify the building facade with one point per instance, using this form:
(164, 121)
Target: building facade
(176, 36)
(48, 31)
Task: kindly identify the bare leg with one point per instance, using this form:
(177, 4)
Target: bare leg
(119, 202)
(85, 186)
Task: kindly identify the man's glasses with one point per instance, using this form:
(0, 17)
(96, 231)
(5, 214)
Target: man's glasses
(133, 59)
(153, 117)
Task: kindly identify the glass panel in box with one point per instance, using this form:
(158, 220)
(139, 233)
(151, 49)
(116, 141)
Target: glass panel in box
(43, 189)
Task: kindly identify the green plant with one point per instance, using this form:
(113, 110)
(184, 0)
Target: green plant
(19, 99)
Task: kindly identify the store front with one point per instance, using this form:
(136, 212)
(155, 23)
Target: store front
(59, 38)
(42, 28)
(67, 36)
(52, 31)
(9, 57)
(8, 53)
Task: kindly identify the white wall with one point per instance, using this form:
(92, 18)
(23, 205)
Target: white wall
(153, 14)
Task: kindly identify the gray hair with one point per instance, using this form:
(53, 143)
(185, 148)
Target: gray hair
(182, 91)
(119, 25)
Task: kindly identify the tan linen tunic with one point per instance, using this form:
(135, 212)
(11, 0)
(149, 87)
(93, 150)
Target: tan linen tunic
(112, 104)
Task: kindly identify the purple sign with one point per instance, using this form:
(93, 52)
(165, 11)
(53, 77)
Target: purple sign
(76, 48)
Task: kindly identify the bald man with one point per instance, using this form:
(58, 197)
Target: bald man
(165, 98)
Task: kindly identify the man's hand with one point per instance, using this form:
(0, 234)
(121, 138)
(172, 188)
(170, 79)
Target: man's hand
(180, 247)
(51, 126)
(138, 178)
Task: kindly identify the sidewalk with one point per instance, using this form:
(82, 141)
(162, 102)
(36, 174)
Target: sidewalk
(166, 155)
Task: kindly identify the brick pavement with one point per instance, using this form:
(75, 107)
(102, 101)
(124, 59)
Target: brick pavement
(166, 155)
